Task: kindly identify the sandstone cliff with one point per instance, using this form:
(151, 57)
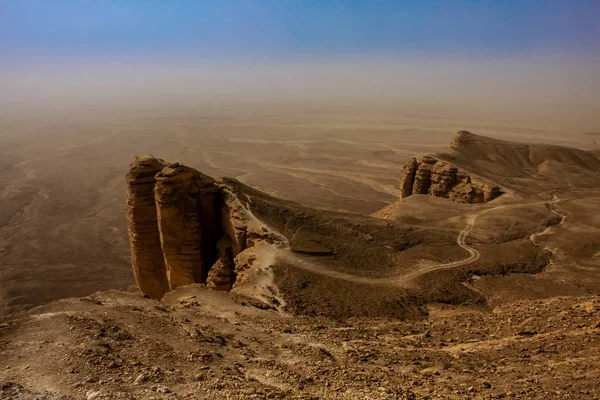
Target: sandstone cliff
(187, 209)
(439, 178)
(144, 239)
(185, 228)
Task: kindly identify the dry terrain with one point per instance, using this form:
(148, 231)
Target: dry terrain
(199, 344)
(62, 225)
(343, 289)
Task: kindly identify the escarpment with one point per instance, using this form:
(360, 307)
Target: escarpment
(187, 210)
(442, 179)
(185, 227)
(144, 238)
(477, 169)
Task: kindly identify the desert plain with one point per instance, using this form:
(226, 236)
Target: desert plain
(420, 297)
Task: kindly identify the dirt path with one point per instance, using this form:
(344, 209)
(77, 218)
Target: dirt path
(286, 254)
(403, 281)
(304, 263)
(461, 240)
(474, 254)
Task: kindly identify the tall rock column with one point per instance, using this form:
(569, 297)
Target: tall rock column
(144, 239)
(408, 178)
(188, 221)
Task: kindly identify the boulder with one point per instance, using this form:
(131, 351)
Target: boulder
(221, 276)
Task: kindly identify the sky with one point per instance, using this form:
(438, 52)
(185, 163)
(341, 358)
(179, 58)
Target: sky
(267, 29)
(526, 50)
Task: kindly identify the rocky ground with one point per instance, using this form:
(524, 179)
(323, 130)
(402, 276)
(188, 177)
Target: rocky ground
(204, 344)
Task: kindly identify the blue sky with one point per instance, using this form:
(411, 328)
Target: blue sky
(227, 29)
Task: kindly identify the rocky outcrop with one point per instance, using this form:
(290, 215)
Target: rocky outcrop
(234, 230)
(439, 178)
(422, 177)
(221, 276)
(144, 238)
(185, 228)
(408, 178)
(187, 208)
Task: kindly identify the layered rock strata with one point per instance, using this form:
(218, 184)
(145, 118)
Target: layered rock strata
(144, 237)
(435, 177)
(408, 178)
(187, 210)
(232, 241)
(185, 228)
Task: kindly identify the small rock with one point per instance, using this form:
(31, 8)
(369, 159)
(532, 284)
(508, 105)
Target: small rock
(93, 394)
(528, 333)
(140, 379)
(162, 389)
(199, 377)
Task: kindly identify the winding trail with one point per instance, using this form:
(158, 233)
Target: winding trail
(403, 280)
(474, 254)
(461, 240)
(284, 253)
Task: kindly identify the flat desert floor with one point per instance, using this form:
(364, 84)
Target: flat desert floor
(62, 185)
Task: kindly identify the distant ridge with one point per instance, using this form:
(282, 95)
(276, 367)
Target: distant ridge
(520, 154)
(522, 167)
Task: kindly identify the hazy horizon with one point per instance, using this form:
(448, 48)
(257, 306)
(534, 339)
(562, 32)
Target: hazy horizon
(531, 58)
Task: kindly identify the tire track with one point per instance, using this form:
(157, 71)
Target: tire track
(286, 254)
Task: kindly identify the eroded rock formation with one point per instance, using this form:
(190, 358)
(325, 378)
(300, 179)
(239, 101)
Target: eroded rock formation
(439, 178)
(187, 209)
(408, 178)
(231, 242)
(144, 238)
(185, 228)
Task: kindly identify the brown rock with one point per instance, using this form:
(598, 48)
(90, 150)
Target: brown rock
(423, 176)
(408, 178)
(233, 240)
(442, 179)
(234, 225)
(221, 276)
(196, 227)
(188, 222)
(144, 239)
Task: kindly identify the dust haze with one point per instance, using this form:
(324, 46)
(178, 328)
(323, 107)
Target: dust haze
(359, 246)
(563, 91)
(329, 133)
